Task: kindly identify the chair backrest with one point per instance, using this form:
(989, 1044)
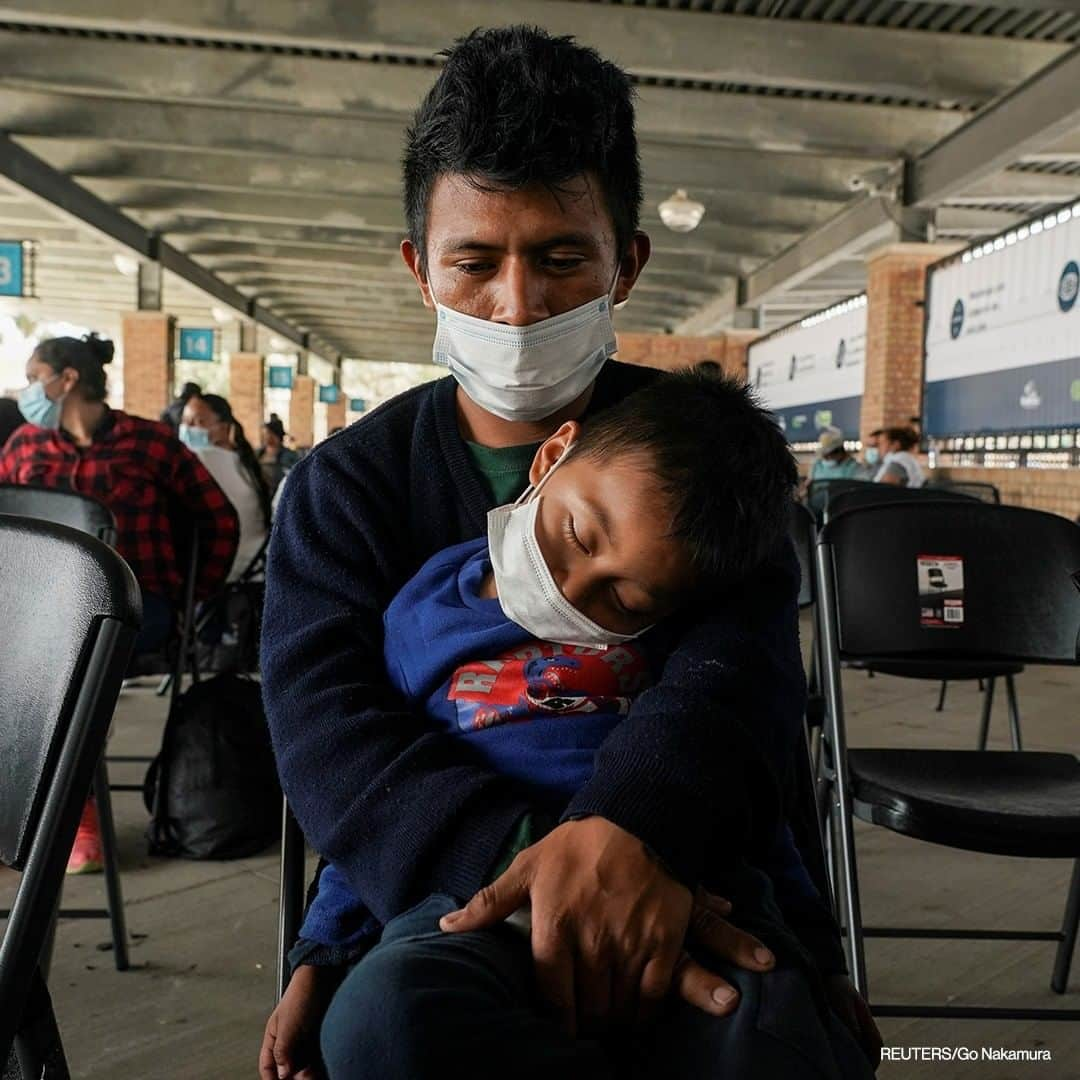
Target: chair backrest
(64, 507)
(876, 494)
(71, 612)
(820, 493)
(944, 578)
(58, 586)
(975, 488)
(801, 528)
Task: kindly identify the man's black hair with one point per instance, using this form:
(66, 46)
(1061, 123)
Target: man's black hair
(720, 459)
(514, 106)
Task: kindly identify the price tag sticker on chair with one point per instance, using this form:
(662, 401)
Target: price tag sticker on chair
(941, 590)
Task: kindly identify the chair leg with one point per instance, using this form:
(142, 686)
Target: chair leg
(1014, 712)
(1063, 959)
(110, 858)
(988, 704)
(941, 696)
(38, 1046)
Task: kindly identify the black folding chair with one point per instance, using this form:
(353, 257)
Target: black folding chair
(803, 532)
(96, 519)
(76, 608)
(943, 671)
(291, 898)
(820, 493)
(975, 488)
(1021, 604)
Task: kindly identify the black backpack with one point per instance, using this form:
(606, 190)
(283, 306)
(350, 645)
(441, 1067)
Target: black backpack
(213, 791)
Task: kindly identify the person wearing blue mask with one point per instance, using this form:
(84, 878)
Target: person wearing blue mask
(872, 452)
(210, 430)
(832, 461)
(522, 195)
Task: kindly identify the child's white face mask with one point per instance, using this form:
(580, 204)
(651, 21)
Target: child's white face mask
(528, 593)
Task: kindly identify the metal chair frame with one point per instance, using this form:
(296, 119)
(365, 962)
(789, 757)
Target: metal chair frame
(841, 834)
(27, 1021)
(94, 518)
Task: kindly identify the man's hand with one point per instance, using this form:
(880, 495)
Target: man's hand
(710, 930)
(608, 922)
(853, 1011)
(290, 1046)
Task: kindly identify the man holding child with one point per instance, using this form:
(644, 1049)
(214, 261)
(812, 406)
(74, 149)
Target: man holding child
(593, 876)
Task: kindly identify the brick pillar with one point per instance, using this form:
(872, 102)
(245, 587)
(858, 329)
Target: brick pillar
(302, 411)
(247, 373)
(335, 414)
(674, 352)
(148, 362)
(895, 293)
(736, 343)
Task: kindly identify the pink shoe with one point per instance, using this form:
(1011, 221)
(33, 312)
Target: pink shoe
(86, 857)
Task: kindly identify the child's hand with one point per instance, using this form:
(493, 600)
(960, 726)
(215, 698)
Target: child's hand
(290, 1046)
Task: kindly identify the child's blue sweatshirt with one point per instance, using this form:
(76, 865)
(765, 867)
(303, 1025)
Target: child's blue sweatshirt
(403, 809)
(534, 711)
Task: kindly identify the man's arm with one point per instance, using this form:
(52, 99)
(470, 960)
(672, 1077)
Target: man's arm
(400, 807)
(698, 760)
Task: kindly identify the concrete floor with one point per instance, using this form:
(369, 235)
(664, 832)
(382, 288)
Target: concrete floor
(194, 1004)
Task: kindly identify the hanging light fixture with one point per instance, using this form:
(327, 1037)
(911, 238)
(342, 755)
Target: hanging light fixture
(126, 264)
(680, 213)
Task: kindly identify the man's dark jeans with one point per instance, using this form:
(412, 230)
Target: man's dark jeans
(425, 1004)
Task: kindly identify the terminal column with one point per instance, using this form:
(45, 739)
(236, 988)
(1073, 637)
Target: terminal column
(895, 297)
(736, 342)
(674, 352)
(302, 411)
(148, 362)
(335, 413)
(247, 376)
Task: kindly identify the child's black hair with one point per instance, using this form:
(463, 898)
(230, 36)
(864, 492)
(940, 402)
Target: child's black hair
(720, 458)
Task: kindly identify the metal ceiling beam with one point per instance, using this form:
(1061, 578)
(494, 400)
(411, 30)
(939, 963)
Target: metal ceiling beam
(45, 184)
(747, 120)
(961, 220)
(818, 56)
(866, 223)
(1014, 186)
(1044, 108)
(182, 189)
(664, 163)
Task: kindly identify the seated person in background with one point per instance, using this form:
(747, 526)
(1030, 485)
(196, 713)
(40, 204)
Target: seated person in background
(209, 429)
(832, 461)
(171, 415)
(899, 465)
(10, 419)
(275, 458)
(530, 645)
(73, 441)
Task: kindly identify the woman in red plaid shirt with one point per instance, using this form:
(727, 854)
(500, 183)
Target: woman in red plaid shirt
(72, 440)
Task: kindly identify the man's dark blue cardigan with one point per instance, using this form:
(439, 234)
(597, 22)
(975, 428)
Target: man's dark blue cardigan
(695, 770)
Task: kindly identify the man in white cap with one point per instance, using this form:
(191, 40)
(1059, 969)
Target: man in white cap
(832, 461)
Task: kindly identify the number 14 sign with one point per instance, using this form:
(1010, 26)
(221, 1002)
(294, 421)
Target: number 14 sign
(12, 278)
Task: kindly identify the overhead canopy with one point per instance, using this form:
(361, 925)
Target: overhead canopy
(258, 143)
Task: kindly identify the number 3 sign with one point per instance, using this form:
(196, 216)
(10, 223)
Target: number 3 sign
(11, 268)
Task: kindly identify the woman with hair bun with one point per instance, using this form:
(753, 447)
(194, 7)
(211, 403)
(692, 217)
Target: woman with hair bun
(72, 440)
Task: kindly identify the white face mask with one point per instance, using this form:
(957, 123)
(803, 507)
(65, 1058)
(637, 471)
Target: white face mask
(526, 372)
(528, 594)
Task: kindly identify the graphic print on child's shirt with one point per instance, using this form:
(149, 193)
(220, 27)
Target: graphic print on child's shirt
(542, 680)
